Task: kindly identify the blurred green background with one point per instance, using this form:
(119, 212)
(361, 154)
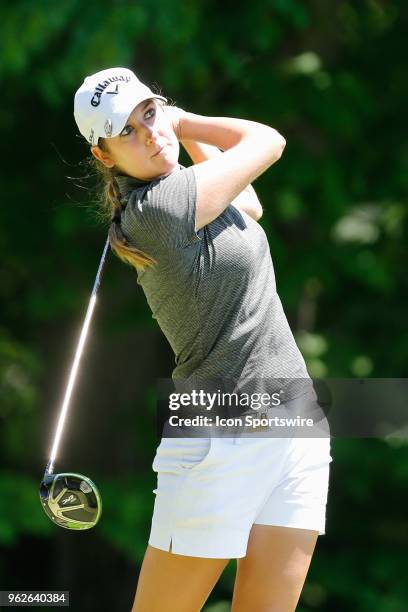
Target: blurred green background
(332, 78)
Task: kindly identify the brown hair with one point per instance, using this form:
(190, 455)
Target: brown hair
(111, 208)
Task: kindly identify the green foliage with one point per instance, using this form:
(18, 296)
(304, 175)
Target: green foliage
(332, 78)
(20, 510)
(128, 506)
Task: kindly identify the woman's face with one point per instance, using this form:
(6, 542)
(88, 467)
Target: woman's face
(146, 148)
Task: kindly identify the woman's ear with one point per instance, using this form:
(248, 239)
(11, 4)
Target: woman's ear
(102, 157)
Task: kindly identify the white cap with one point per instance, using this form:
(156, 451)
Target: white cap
(105, 100)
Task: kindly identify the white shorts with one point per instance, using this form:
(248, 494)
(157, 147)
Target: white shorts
(210, 491)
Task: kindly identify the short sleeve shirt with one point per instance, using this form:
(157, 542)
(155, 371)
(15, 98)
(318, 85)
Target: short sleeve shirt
(212, 291)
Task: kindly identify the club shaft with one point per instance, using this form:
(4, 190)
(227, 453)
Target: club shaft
(76, 362)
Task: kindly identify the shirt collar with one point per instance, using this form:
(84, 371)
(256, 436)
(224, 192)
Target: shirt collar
(127, 184)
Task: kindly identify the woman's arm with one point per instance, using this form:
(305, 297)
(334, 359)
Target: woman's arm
(247, 200)
(249, 148)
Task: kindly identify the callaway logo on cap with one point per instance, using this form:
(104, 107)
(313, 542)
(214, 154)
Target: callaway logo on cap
(105, 100)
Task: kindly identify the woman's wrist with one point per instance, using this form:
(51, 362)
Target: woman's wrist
(175, 115)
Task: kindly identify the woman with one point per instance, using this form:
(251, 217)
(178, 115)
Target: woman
(204, 264)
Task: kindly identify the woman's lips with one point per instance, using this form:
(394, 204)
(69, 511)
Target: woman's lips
(159, 151)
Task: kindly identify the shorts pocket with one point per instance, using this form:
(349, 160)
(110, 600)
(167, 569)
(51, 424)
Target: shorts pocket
(178, 455)
(196, 452)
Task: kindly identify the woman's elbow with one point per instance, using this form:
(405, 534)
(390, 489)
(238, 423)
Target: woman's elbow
(279, 145)
(258, 214)
(274, 144)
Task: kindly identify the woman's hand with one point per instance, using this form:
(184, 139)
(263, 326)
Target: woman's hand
(175, 115)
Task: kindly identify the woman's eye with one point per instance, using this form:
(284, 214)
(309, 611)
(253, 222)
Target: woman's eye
(128, 128)
(124, 132)
(151, 110)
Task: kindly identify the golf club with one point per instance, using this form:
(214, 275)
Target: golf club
(71, 500)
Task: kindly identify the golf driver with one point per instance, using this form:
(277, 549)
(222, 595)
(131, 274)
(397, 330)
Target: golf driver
(71, 500)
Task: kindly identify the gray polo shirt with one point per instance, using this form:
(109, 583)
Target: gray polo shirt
(213, 291)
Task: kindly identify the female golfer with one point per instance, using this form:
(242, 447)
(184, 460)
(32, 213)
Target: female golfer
(204, 264)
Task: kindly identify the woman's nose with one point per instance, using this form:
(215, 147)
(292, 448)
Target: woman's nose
(151, 134)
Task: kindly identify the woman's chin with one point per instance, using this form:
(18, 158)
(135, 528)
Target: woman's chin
(161, 165)
(168, 165)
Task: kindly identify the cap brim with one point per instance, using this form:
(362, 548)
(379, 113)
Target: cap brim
(123, 110)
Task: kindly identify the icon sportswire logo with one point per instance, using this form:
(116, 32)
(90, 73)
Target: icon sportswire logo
(100, 88)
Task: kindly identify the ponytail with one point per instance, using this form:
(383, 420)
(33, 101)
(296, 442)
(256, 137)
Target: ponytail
(110, 200)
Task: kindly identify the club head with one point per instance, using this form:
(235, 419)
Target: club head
(71, 500)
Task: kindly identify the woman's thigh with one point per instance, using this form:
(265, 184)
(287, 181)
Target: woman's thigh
(175, 583)
(271, 575)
